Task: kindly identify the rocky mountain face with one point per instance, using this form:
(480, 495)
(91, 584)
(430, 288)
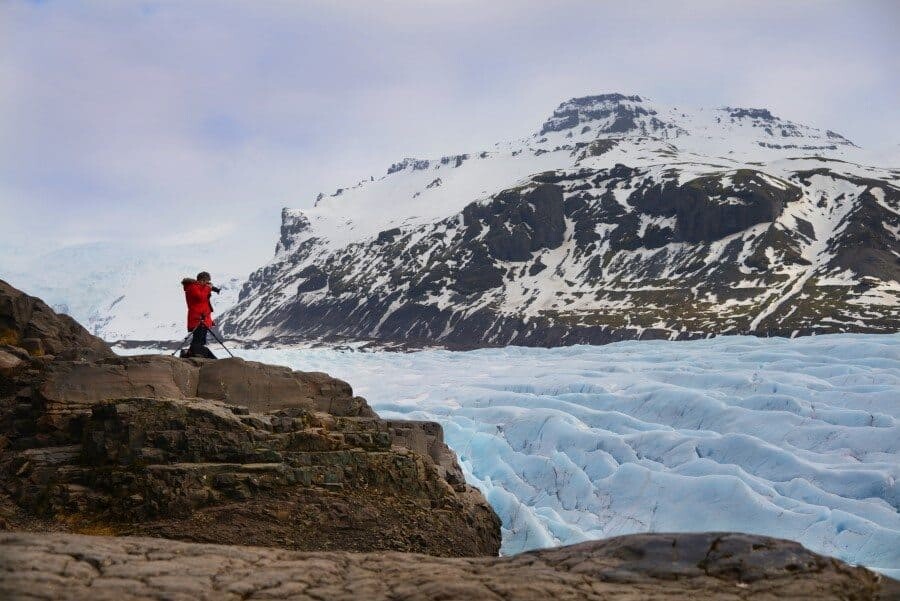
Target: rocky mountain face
(222, 451)
(619, 219)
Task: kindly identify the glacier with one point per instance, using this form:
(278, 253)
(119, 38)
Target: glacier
(118, 290)
(793, 438)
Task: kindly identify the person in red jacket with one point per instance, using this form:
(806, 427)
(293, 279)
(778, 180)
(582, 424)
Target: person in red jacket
(197, 294)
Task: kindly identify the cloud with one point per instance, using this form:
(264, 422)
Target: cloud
(206, 234)
(137, 119)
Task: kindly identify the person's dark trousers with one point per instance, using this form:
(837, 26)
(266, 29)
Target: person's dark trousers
(199, 341)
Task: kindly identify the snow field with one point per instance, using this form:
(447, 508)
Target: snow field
(797, 439)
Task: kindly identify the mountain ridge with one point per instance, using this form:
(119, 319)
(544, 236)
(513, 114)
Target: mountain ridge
(450, 251)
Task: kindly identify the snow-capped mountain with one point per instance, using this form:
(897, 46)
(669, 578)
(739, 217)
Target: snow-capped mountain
(118, 291)
(620, 218)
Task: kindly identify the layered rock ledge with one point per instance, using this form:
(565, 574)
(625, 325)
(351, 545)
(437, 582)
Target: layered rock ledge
(644, 566)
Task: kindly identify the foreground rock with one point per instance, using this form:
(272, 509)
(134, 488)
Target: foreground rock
(645, 566)
(225, 451)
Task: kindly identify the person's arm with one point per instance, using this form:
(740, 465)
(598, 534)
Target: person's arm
(210, 288)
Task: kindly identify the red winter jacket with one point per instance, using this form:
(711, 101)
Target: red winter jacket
(197, 295)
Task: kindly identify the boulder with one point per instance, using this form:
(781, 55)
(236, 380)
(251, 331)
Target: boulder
(642, 566)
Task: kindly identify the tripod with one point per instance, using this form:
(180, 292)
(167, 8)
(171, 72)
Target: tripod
(219, 340)
(195, 330)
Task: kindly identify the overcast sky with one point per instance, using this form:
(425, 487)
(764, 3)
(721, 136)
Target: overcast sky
(197, 121)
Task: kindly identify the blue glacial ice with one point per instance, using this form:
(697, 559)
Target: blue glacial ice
(796, 439)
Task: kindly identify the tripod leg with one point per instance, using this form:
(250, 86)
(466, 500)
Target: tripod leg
(220, 342)
(191, 337)
(186, 338)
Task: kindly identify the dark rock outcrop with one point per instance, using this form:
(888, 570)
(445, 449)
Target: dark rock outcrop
(314, 279)
(291, 225)
(620, 109)
(643, 566)
(518, 224)
(707, 210)
(27, 322)
(227, 451)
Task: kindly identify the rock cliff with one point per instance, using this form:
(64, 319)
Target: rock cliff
(225, 451)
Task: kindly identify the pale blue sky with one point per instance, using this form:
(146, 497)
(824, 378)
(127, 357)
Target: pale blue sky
(169, 121)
